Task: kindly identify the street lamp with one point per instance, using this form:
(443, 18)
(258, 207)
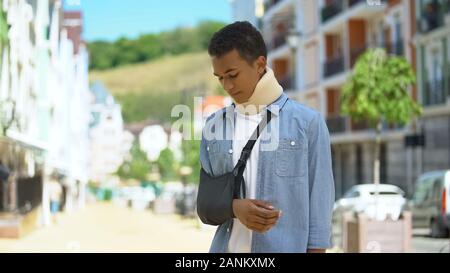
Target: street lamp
(293, 39)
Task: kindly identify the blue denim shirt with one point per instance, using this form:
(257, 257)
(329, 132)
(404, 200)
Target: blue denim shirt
(294, 175)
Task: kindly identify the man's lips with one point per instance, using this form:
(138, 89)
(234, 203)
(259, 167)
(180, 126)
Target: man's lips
(235, 93)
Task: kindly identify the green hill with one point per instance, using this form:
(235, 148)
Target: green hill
(149, 90)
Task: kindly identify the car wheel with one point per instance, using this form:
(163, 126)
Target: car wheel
(437, 231)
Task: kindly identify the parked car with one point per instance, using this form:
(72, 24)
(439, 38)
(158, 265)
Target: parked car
(362, 198)
(430, 204)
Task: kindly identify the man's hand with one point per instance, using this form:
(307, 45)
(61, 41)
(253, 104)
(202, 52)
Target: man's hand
(256, 215)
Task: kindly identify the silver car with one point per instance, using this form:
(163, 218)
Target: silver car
(431, 203)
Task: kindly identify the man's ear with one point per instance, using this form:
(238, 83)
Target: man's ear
(261, 64)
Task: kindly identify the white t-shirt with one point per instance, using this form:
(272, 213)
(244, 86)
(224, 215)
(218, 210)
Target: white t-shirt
(245, 125)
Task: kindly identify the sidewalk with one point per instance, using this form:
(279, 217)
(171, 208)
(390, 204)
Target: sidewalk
(104, 227)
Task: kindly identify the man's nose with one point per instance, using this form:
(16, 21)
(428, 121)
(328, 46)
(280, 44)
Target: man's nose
(227, 85)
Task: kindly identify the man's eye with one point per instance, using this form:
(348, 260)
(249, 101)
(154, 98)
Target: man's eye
(233, 76)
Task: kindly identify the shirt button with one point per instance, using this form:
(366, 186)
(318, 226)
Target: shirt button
(230, 151)
(207, 148)
(228, 229)
(292, 143)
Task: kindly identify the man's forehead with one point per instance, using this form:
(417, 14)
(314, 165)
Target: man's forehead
(226, 63)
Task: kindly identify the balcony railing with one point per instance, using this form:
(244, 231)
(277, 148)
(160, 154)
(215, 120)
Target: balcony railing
(355, 53)
(270, 3)
(277, 41)
(432, 16)
(359, 125)
(279, 30)
(336, 124)
(395, 48)
(434, 93)
(332, 10)
(333, 66)
(287, 83)
(354, 2)
(448, 84)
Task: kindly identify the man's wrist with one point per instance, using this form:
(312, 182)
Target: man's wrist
(233, 213)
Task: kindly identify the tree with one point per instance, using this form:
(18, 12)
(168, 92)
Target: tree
(377, 91)
(166, 163)
(137, 167)
(191, 158)
(148, 47)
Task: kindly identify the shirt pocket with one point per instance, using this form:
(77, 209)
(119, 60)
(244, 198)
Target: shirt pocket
(212, 147)
(218, 157)
(289, 158)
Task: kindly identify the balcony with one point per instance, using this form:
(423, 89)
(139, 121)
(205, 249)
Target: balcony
(448, 84)
(355, 53)
(435, 93)
(395, 48)
(359, 125)
(332, 10)
(352, 3)
(278, 30)
(333, 66)
(277, 41)
(287, 82)
(432, 16)
(336, 124)
(270, 3)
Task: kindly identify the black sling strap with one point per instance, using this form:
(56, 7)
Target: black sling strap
(238, 170)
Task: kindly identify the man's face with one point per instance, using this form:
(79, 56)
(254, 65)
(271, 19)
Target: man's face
(237, 76)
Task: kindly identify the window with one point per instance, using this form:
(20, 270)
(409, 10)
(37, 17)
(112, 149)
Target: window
(423, 189)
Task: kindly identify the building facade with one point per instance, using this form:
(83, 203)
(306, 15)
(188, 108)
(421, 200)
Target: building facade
(331, 35)
(44, 98)
(106, 136)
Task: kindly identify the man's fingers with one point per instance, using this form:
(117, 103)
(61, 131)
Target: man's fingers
(263, 204)
(256, 227)
(263, 221)
(265, 213)
(259, 228)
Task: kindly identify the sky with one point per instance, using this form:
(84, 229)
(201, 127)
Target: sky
(111, 19)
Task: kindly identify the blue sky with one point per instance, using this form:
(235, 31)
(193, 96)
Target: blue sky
(112, 19)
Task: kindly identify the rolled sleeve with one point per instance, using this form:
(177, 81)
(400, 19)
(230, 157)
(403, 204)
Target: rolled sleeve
(321, 184)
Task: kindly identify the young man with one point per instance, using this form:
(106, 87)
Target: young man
(290, 188)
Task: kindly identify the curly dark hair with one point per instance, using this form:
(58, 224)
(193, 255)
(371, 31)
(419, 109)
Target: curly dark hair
(243, 37)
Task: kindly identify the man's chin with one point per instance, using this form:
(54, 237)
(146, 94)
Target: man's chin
(239, 100)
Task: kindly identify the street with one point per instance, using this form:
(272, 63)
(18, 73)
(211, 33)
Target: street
(104, 227)
(423, 243)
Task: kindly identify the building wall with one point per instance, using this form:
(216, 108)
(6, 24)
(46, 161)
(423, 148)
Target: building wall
(436, 155)
(244, 10)
(394, 27)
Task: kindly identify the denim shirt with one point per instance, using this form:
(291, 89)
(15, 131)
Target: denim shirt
(294, 175)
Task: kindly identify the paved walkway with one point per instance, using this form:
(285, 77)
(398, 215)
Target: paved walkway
(104, 227)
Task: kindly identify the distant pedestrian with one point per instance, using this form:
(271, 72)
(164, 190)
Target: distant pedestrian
(55, 192)
(4, 175)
